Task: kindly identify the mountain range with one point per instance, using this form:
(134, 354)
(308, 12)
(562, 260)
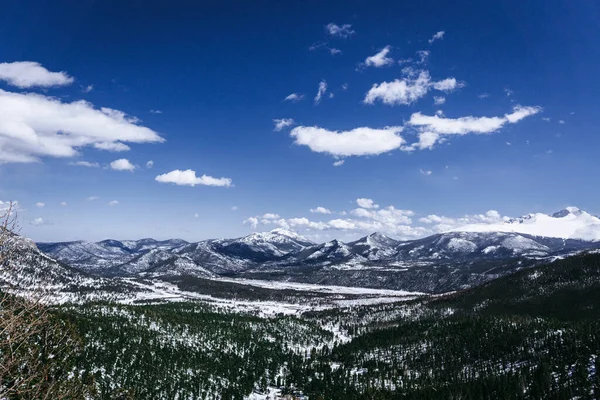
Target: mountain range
(437, 263)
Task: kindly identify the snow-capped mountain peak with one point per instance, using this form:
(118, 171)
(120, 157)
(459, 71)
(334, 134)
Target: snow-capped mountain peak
(570, 223)
(290, 234)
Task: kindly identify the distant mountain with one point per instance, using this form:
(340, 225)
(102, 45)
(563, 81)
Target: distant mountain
(447, 261)
(570, 223)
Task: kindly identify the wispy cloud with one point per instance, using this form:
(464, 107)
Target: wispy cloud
(437, 36)
(282, 123)
(294, 97)
(85, 164)
(321, 91)
(343, 31)
(409, 89)
(380, 59)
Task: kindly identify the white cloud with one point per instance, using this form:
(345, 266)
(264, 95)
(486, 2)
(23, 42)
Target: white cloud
(439, 100)
(111, 146)
(113, 203)
(409, 89)
(447, 85)
(423, 56)
(64, 203)
(432, 127)
(234, 208)
(27, 74)
(156, 112)
(344, 86)
(520, 112)
(87, 89)
(294, 97)
(38, 221)
(85, 164)
(366, 203)
(32, 126)
(282, 123)
(339, 163)
(320, 210)
(40, 205)
(92, 198)
(426, 172)
(356, 142)
(484, 95)
(270, 216)
(196, 215)
(122, 164)
(342, 31)
(189, 178)
(560, 121)
(437, 36)
(150, 164)
(252, 221)
(380, 59)
(546, 119)
(321, 91)
(508, 92)
(333, 51)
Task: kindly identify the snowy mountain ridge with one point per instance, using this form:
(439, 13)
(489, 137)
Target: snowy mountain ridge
(570, 223)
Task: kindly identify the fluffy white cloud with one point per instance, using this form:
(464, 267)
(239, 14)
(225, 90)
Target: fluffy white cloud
(339, 163)
(320, 210)
(189, 178)
(409, 89)
(447, 85)
(92, 198)
(64, 203)
(196, 215)
(270, 216)
(380, 59)
(356, 142)
(426, 172)
(439, 100)
(122, 164)
(294, 97)
(342, 31)
(252, 221)
(366, 203)
(40, 205)
(113, 203)
(85, 164)
(306, 223)
(33, 126)
(437, 36)
(87, 89)
(156, 112)
(282, 123)
(321, 91)
(150, 164)
(27, 74)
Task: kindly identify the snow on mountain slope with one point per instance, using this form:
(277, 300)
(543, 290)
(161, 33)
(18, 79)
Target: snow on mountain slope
(570, 223)
(375, 246)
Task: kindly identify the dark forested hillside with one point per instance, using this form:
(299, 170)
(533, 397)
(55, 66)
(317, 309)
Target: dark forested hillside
(534, 334)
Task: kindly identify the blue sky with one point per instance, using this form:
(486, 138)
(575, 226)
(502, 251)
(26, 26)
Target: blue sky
(197, 87)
